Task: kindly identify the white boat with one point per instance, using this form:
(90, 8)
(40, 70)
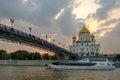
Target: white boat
(84, 64)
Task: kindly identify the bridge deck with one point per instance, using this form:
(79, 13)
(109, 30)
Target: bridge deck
(15, 35)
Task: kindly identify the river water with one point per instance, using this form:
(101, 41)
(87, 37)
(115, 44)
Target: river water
(43, 73)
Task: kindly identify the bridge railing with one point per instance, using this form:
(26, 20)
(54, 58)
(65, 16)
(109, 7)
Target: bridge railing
(22, 37)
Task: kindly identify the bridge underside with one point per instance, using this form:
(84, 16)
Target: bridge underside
(17, 36)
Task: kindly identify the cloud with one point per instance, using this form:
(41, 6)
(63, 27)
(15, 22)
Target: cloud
(110, 42)
(115, 31)
(38, 14)
(106, 6)
(61, 19)
(67, 22)
(82, 8)
(105, 18)
(105, 24)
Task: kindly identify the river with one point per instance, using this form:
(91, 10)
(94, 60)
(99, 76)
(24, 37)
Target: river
(43, 73)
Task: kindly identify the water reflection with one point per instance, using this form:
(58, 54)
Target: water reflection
(42, 73)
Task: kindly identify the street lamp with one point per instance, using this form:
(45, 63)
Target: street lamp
(12, 21)
(59, 43)
(46, 37)
(30, 29)
(53, 40)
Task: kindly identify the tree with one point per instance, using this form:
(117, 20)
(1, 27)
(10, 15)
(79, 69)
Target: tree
(35, 56)
(117, 57)
(45, 57)
(4, 55)
(53, 57)
(20, 55)
(105, 55)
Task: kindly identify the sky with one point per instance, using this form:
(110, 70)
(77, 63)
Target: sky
(61, 19)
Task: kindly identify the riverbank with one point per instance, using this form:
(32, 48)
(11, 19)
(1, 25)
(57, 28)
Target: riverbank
(24, 62)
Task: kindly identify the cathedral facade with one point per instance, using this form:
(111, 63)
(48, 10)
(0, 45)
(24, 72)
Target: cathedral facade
(85, 45)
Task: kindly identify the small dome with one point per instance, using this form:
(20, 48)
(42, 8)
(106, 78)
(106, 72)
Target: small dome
(92, 36)
(84, 30)
(74, 37)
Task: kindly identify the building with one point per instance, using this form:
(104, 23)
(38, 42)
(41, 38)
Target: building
(85, 45)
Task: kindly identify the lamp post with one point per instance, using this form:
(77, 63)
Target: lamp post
(30, 29)
(12, 21)
(53, 40)
(46, 37)
(59, 43)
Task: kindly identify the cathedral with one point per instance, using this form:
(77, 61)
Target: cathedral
(85, 45)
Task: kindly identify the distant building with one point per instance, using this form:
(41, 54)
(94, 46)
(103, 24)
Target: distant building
(85, 45)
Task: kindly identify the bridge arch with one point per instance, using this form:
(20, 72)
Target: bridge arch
(15, 35)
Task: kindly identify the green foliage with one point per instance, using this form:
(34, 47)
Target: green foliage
(54, 57)
(4, 55)
(48, 57)
(35, 56)
(45, 57)
(25, 55)
(20, 55)
(105, 55)
(117, 57)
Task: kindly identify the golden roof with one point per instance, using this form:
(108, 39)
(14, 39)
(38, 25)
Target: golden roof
(92, 36)
(84, 30)
(74, 37)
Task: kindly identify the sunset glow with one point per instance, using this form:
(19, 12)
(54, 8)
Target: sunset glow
(63, 20)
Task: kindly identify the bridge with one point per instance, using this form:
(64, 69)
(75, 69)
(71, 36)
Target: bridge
(16, 36)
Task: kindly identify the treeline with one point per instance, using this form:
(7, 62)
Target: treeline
(25, 55)
(113, 57)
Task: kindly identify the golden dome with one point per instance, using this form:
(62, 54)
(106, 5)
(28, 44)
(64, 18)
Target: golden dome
(84, 30)
(92, 36)
(74, 37)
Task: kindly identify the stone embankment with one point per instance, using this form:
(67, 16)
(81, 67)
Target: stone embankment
(24, 62)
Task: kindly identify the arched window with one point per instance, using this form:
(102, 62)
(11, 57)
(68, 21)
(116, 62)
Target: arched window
(81, 43)
(82, 49)
(92, 40)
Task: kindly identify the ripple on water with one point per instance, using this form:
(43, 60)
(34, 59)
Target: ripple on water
(42, 73)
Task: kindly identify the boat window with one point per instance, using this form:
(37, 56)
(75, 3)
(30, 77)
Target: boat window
(101, 64)
(56, 63)
(98, 59)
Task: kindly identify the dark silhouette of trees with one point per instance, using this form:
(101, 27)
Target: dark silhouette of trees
(45, 57)
(25, 55)
(4, 55)
(35, 56)
(53, 57)
(20, 55)
(117, 57)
